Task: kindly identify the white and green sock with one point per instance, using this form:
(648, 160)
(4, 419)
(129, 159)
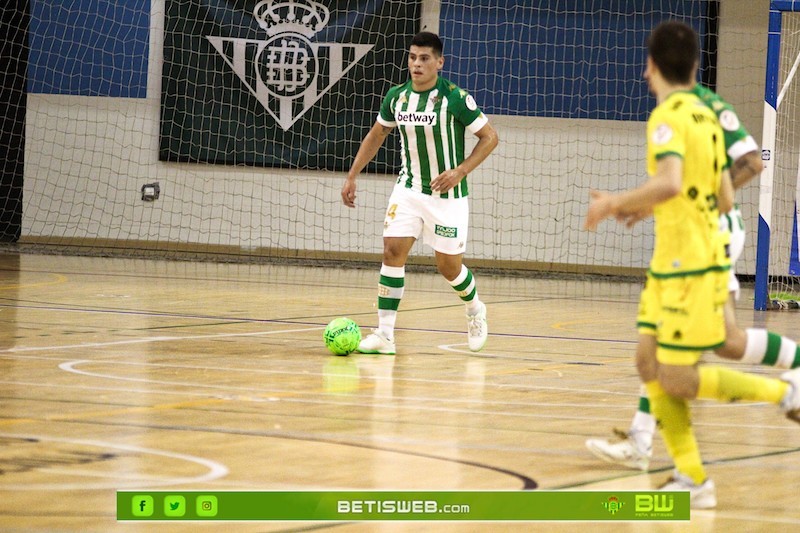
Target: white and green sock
(762, 348)
(390, 292)
(643, 425)
(467, 290)
(766, 348)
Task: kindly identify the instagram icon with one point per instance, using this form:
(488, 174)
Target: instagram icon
(207, 505)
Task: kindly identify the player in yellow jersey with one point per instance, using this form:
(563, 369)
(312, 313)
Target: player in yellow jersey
(751, 345)
(681, 306)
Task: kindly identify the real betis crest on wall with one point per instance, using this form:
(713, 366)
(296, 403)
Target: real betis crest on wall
(290, 72)
(289, 83)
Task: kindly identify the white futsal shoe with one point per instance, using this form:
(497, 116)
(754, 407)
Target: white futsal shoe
(477, 329)
(376, 343)
(626, 452)
(703, 496)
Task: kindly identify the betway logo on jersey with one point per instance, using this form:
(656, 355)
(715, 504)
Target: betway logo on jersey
(415, 118)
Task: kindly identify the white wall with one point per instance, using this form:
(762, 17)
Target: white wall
(87, 158)
(741, 78)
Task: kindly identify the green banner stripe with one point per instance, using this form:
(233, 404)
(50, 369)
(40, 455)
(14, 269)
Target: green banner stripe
(403, 506)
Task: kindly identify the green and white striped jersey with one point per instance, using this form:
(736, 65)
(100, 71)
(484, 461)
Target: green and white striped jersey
(738, 140)
(432, 126)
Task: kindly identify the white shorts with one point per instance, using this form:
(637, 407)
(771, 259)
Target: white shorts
(442, 222)
(733, 222)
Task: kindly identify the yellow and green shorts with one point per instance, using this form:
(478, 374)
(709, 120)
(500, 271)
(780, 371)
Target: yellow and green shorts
(684, 313)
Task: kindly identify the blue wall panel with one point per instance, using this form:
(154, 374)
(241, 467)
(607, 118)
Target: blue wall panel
(89, 47)
(581, 59)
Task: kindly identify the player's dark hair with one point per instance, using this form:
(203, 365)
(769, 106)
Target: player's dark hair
(673, 47)
(426, 38)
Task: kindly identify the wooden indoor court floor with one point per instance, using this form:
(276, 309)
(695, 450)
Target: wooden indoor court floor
(123, 374)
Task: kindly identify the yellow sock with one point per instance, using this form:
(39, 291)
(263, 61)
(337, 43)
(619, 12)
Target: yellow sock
(721, 383)
(672, 415)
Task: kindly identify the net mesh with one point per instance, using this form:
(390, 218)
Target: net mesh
(125, 95)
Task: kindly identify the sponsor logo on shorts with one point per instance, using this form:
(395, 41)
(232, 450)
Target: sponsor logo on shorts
(444, 231)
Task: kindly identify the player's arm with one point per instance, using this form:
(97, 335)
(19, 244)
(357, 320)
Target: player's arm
(660, 187)
(746, 168)
(369, 147)
(487, 142)
(725, 200)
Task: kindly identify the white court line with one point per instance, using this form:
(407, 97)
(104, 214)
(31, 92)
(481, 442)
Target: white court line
(116, 480)
(152, 339)
(70, 367)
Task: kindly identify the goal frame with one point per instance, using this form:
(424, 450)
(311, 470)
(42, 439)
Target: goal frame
(771, 101)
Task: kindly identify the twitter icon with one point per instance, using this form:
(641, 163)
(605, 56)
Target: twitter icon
(174, 505)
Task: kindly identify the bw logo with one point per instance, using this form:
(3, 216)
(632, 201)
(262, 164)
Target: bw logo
(288, 73)
(659, 503)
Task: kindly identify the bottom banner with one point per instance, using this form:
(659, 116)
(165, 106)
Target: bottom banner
(403, 505)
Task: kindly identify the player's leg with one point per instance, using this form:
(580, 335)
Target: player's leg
(635, 447)
(755, 346)
(752, 345)
(690, 319)
(463, 282)
(445, 230)
(672, 413)
(725, 384)
(675, 426)
(402, 226)
(735, 337)
(390, 291)
(707, 325)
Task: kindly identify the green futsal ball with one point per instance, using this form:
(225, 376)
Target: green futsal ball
(342, 336)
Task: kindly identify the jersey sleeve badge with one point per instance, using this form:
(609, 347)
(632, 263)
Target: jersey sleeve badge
(729, 120)
(662, 134)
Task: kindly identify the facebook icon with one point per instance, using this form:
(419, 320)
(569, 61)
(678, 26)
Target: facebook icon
(142, 505)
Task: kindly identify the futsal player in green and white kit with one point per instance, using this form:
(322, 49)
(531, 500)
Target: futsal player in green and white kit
(430, 198)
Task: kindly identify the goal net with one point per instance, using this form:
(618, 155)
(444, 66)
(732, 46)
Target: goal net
(778, 268)
(224, 129)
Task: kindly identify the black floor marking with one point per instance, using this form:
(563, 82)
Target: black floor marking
(527, 482)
